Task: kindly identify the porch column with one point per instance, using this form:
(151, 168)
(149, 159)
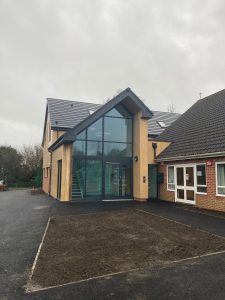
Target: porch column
(140, 158)
(66, 173)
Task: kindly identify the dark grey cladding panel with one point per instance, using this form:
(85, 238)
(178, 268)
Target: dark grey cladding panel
(200, 130)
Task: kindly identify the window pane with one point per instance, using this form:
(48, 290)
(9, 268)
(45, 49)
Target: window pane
(81, 135)
(221, 191)
(93, 178)
(94, 148)
(118, 111)
(180, 176)
(126, 180)
(170, 174)
(190, 195)
(221, 174)
(201, 177)
(112, 179)
(118, 130)
(118, 149)
(201, 189)
(78, 178)
(79, 147)
(180, 194)
(94, 131)
(171, 187)
(189, 176)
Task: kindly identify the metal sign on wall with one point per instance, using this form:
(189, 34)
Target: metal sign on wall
(209, 163)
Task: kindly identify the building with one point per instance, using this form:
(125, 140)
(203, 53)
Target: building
(122, 150)
(193, 164)
(102, 152)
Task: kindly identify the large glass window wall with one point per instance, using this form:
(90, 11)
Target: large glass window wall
(102, 157)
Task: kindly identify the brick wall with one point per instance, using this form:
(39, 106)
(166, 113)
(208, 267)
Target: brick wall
(208, 201)
(45, 184)
(163, 193)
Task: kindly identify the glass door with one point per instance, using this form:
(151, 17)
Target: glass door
(112, 180)
(125, 183)
(152, 182)
(117, 180)
(185, 184)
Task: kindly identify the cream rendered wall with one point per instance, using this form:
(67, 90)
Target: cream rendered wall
(50, 137)
(140, 168)
(64, 153)
(160, 147)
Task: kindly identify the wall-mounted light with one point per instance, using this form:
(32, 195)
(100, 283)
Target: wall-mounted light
(136, 158)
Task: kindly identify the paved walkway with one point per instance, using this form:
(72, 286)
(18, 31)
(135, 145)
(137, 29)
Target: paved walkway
(23, 218)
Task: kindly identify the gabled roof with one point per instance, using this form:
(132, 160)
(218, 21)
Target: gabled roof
(199, 131)
(66, 114)
(127, 97)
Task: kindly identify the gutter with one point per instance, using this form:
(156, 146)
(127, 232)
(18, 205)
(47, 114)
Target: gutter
(194, 156)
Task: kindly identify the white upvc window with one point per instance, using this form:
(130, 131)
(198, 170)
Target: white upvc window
(220, 179)
(170, 178)
(201, 179)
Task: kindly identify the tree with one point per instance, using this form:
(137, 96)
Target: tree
(31, 159)
(10, 164)
(171, 108)
(21, 168)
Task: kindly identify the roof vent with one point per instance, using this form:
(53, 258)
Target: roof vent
(56, 122)
(91, 111)
(71, 104)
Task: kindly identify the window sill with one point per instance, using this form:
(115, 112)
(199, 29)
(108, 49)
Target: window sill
(198, 193)
(218, 195)
(170, 190)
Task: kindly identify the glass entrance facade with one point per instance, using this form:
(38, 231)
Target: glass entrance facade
(102, 157)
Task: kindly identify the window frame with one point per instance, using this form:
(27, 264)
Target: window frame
(168, 189)
(219, 186)
(45, 172)
(200, 185)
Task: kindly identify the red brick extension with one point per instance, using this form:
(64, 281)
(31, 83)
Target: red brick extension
(209, 201)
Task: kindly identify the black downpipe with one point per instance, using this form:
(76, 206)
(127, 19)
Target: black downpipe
(154, 146)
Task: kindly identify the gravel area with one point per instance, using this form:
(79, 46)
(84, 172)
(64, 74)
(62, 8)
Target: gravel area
(89, 245)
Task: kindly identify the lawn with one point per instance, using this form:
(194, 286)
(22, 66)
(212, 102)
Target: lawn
(79, 247)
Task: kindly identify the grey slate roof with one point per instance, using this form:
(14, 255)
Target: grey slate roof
(154, 129)
(200, 130)
(66, 114)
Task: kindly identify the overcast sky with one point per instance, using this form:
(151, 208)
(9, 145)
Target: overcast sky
(88, 50)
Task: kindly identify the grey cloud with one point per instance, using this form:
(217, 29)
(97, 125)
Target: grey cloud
(166, 51)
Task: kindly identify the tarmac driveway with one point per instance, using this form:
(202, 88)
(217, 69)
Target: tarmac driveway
(23, 218)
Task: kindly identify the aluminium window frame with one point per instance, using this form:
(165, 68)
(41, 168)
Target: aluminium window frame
(105, 158)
